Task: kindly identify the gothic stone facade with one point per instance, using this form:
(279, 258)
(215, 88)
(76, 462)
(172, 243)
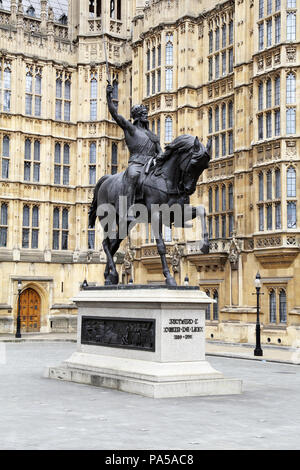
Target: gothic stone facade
(227, 70)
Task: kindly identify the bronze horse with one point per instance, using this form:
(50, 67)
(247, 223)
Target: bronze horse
(169, 183)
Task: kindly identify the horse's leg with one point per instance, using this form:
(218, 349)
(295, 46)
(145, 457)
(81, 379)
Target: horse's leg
(112, 277)
(161, 248)
(200, 212)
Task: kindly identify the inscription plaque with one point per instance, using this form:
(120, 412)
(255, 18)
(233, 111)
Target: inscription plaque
(127, 333)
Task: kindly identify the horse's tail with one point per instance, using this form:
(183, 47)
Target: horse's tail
(93, 207)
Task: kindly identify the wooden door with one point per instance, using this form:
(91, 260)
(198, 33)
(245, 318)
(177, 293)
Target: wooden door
(30, 311)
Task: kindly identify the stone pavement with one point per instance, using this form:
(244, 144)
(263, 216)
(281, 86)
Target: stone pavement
(213, 348)
(39, 413)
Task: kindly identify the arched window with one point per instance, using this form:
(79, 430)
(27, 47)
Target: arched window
(230, 197)
(115, 92)
(260, 96)
(291, 121)
(291, 26)
(277, 184)
(26, 224)
(168, 129)
(217, 199)
(269, 93)
(217, 119)
(65, 229)
(3, 225)
(277, 91)
(210, 121)
(291, 182)
(290, 88)
(223, 198)
(114, 159)
(208, 308)
(5, 157)
(7, 88)
(93, 97)
(224, 35)
(269, 184)
(261, 187)
(92, 163)
(223, 116)
(169, 49)
(210, 200)
(282, 306)
(230, 114)
(217, 38)
(210, 42)
(66, 165)
(291, 215)
(272, 306)
(216, 305)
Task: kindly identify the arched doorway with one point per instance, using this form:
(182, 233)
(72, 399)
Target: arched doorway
(30, 310)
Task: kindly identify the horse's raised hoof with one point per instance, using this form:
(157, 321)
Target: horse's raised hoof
(205, 248)
(170, 281)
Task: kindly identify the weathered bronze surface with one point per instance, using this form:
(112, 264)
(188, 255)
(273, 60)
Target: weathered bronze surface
(152, 178)
(118, 332)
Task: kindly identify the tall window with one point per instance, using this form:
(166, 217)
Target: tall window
(269, 217)
(30, 231)
(269, 33)
(95, 8)
(282, 306)
(92, 164)
(277, 29)
(277, 123)
(5, 157)
(63, 96)
(291, 89)
(272, 303)
(169, 61)
(216, 305)
(261, 8)
(278, 216)
(210, 200)
(269, 93)
(291, 120)
(3, 224)
(169, 79)
(60, 228)
(32, 160)
(291, 26)
(91, 239)
(5, 85)
(224, 35)
(33, 87)
(261, 186)
(260, 127)
(260, 96)
(61, 164)
(269, 184)
(168, 129)
(114, 158)
(269, 125)
(217, 38)
(261, 36)
(115, 9)
(291, 182)
(291, 215)
(261, 218)
(93, 96)
(231, 32)
(277, 91)
(277, 184)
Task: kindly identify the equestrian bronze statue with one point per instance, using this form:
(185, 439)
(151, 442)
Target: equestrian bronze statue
(153, 179)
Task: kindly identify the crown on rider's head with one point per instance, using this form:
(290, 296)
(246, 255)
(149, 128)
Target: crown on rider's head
(137, 110)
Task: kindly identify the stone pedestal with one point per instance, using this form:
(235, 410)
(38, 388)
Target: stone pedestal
(144, 340)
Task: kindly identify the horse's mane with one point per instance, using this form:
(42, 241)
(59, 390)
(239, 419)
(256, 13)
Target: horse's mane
(181, 144)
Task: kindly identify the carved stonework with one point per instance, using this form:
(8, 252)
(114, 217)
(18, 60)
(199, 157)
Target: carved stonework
(291, 150)
(290, 53)
(176, 256)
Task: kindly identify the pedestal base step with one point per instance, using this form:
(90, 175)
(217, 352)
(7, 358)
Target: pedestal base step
(149, 388)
